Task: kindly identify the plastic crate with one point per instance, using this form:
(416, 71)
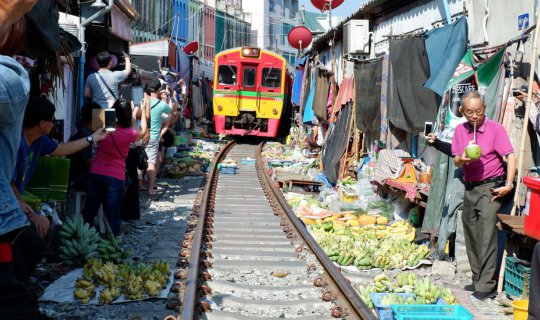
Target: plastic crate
(384, 311)
(227, 170)
(248, 162)
(514, 277)
(431, 312)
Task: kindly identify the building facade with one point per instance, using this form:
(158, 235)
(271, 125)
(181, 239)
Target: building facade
(155, 19)
(271, 22)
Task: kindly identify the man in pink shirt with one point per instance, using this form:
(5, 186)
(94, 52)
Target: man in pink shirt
(486, 181)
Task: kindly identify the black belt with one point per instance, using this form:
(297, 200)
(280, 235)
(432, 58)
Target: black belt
(481, 182)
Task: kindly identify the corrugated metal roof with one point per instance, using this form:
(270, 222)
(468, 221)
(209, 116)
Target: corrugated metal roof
(371, 9)
(311, 22)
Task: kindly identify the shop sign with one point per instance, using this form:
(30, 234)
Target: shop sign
(523, 21)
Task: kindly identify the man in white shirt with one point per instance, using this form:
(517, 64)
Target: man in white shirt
(102, 86)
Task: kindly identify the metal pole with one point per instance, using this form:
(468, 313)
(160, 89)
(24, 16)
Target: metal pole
(447, 12)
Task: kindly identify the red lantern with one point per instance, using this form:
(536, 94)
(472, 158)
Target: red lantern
(300, 37)
(324, 5)
(191, 47)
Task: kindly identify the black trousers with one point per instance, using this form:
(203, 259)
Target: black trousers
(130, 202)
(534, 285)
(16, 299)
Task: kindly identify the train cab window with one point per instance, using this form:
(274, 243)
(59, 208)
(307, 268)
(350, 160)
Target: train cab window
(249, 77)
(227, 75)
(271, 77)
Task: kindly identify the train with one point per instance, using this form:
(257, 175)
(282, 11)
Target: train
(251, 93)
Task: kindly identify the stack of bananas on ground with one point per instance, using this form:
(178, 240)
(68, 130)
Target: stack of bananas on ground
(78, 242)
(422, 291)
(133, 281)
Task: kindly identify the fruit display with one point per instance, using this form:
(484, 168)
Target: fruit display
(425, 291)
(133, 281)
(78, 242)
(370, 246)
(110, 249)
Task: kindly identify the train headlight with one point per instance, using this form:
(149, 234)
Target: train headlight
(274, 111)
(220, 108)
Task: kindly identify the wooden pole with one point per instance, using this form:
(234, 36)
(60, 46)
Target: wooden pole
(524, 133)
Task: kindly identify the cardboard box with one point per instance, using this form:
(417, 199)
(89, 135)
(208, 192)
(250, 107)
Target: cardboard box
(98, 119)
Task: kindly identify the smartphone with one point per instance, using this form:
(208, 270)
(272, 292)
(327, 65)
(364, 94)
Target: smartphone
(137, 94)
(110, 120)
(125, 91)
(164, 86)
(497, 186)
(428, 128)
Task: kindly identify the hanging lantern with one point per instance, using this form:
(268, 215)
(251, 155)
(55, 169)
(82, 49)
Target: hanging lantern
(191, 47)
(300, 37)
(324, 5)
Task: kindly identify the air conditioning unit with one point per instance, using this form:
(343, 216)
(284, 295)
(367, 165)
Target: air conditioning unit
(356, 37)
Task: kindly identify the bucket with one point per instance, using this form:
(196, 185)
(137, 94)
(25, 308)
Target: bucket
(521, 309)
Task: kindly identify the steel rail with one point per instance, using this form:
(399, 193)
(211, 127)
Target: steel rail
(356, 306)
(190, 292)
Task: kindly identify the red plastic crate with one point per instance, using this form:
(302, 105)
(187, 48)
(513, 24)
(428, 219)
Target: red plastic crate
(532, 216)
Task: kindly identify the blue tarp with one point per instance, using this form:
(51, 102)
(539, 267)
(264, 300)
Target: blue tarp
(445, 47)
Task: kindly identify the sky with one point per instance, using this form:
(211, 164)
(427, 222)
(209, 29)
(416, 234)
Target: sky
(344, 10)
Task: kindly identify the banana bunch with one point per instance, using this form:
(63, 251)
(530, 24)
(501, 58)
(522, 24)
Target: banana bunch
(394, 298)
(90, 269)
(152, 288)
(365, 294)
(427, 291)
(108, 276)
(448, 296)
(110, 249)
(162, 267)
(134, 288)
(108, 295)
(78, 242)
(84, 290)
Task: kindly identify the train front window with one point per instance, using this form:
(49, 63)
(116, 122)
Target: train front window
(250, 75)
(271, 77)
(227, 75)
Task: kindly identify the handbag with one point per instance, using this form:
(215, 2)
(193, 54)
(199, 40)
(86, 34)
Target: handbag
(142, 158)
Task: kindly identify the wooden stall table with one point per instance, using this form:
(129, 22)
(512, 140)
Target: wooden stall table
(407, 190)
(514, 226)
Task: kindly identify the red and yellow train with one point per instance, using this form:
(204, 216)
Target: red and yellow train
(251, 92)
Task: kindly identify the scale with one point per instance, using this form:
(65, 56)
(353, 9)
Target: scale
(407, 173)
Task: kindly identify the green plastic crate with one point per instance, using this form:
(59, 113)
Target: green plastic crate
(514, 277)
(430, 312)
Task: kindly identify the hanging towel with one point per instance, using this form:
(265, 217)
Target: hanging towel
(411, 104)
(336, 144)
(384, 98)
(368, 96)
(445, 47)
(298, 79)
(308, 107)
(320, 99)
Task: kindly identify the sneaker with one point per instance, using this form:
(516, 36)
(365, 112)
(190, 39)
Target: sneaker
(484, 295)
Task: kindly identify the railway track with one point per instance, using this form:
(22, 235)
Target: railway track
(247, 256)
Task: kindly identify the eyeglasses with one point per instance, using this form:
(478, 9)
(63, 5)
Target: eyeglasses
(472, 113)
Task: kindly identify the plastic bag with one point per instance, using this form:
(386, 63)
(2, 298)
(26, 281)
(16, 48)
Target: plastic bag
(401, 208)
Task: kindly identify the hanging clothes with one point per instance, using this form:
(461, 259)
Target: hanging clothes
(345, 95)
(367, 84)
(336, 143)
(298, 80)
(309, 114)
(411, 104)
(196, 101)
(384, 98)
(320, 99)
(445, 48)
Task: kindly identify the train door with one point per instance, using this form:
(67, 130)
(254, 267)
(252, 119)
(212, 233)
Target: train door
(249, 88)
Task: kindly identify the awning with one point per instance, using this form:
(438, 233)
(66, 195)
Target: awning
(120, 25)
(157, 48)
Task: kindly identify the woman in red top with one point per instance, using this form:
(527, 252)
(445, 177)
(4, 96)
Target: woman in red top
(107, 171)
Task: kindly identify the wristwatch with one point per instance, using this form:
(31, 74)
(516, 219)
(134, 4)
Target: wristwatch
(509, 184)
(90, 139)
